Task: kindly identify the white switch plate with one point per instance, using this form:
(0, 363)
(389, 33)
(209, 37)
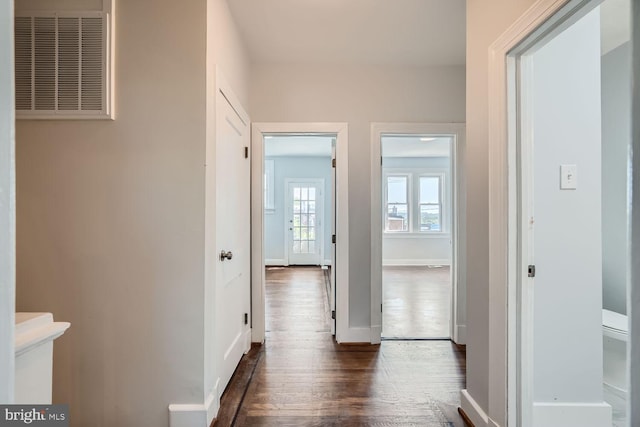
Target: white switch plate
(568, 177)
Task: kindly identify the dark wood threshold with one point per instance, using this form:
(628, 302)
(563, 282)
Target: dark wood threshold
(236, 390)
(465, 417)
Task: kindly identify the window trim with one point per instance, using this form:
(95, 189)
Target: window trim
(385, 207)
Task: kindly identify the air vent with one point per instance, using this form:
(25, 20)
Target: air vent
(62, 66)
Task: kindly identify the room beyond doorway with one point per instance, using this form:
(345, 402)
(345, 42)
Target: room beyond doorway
(416, 235)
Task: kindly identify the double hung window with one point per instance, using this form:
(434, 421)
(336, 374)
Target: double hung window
(414, 203)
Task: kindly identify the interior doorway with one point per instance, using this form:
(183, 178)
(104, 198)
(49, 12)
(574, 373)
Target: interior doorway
(417, 246)
(417, 291)
(299, 211)
(569, 150)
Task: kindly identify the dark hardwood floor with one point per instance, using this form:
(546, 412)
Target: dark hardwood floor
(301, 377)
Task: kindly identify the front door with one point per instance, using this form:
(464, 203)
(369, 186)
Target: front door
(304, 222)
(233, 334)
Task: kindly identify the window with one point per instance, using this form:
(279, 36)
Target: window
(414, 201)
(397, 211)
(269, 204)
(430, 203)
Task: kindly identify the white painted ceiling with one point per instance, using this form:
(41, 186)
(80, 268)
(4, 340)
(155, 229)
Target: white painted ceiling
(320, 146)
(615, 21)
(414, 146)
(297, 146)
(380, 32)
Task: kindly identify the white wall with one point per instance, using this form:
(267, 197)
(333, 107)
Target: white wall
(295, 167)
(616, 140)
(486, 381)
(634, 300)
(111, 218)
(359, 96)
(567, 347)
(420, 248)
(7, 204)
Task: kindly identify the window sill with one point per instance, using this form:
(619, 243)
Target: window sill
(405, 235)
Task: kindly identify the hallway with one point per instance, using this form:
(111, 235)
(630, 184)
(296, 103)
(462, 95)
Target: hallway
(301, 377)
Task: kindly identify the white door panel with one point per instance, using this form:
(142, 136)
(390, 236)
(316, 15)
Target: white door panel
(232, 236)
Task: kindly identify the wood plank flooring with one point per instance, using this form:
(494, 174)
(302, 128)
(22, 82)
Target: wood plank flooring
(301, 377)
(417, 302)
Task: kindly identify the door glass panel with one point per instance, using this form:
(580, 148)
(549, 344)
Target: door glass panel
(304, 219)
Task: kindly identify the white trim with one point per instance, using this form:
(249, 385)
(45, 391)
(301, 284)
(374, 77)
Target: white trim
(357, 335)
(195, 415)
(460, 335)
(571, 414)
(473, 410)
(415, 262)
(633, 293)
(276, 261)
(457, 130)
(7, 204)
(422, 235)
(342, 220)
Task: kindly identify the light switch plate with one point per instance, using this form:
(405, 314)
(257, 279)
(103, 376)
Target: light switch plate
(568, 177)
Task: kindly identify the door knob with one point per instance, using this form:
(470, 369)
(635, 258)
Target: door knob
(225, 255)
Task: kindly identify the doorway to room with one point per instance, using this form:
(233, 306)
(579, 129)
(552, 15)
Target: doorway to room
(416, 236)
(415, 282)
(297, 215)
(568, 212)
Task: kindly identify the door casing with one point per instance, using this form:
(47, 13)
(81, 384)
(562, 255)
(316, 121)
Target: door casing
(508, 303)
(458, 293)
(340, 130)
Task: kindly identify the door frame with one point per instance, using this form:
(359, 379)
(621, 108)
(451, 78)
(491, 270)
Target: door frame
(7, 205)
(458, 289)
(319, 213)
(258, 131)
(510, 305)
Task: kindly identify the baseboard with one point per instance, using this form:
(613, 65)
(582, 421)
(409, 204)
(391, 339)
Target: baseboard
(195, 415)
(356, 335)
(571, 414)
(400, 262)
(376, 332)
(474, 412)
(268, 262)
(460, 335)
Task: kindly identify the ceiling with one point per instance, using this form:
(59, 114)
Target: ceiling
(371, 32)
(320, 146)
(297, 146)
(414, 146)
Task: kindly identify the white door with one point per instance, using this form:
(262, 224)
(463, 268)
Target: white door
(304, 221)
(332, 290)
(233, 334)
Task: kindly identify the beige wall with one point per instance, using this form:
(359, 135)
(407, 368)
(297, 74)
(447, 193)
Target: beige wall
(111, 220)
(486, 21)
(359, 96)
